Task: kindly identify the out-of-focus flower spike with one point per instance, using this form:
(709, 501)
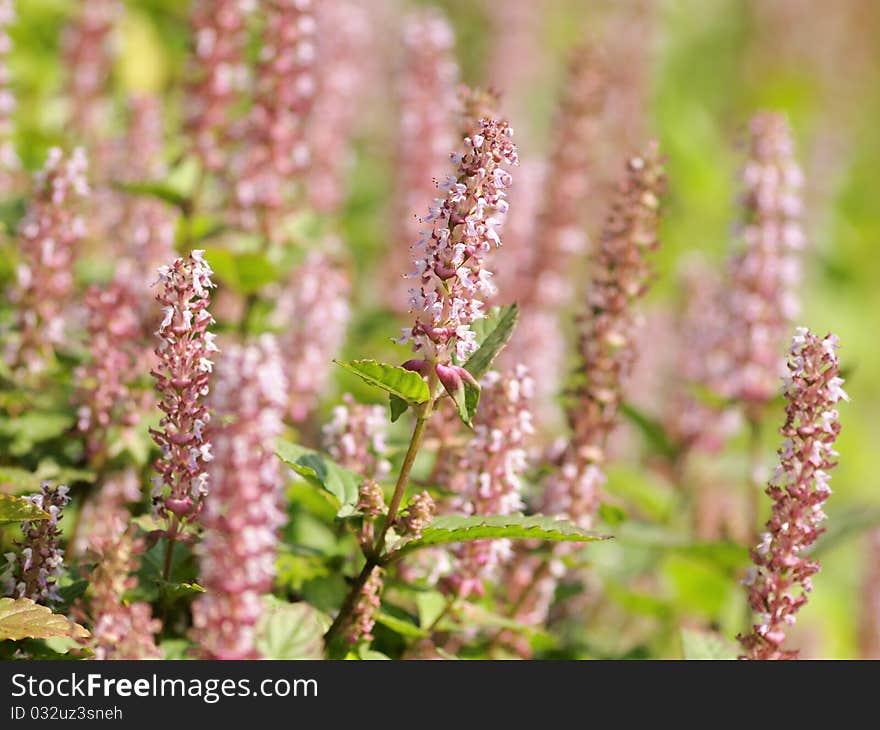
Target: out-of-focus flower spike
(119, 629)
(761, 302)
(428, 79)
(781, 580)
(245, 510)
(275, 152)
(48, 238)
(88, 49)
(10, 164)
(104, 396)
(312, 311)
(356, 438)
(344, 37)
(218, 75)
(488, 477)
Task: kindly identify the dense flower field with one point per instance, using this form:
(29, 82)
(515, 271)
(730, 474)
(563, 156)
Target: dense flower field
(380, 329)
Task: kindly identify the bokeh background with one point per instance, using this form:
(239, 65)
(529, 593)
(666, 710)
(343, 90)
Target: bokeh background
(690, 73)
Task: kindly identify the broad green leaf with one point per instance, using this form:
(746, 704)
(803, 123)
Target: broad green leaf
(459, 528)
(157, 189)
(33, 428)
(430, 604)
(290, 630)
(20, 480)
(482, 359)
(322, 472)
(400, 626)
(612, 514)
(18, 509)
(23, 619)
(724, 555)
(398, 406)
(652, 430)
(705, 645)
(70, 592)
(405, 384)
(246, 272)
(254, 271)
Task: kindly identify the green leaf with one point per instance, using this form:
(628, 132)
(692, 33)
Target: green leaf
(705, 645)
(20, 480)
(405, 384)
(33, 428)
(160, 190)
(72, 591)
(430, 605)
(459, 528)
(400, 626)
(466, 397)
(173, 591)
(848, 523)
(18, 509)
(482, 359)
(23, 619)
(322, 472)
(245, 272)
(290, 630)
(651, 429)
(612, 514)
(398, 406)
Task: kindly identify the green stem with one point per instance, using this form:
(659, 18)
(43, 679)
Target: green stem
(755, 491)
(374, 554)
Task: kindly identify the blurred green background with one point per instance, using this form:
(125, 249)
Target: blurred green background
(702, 68)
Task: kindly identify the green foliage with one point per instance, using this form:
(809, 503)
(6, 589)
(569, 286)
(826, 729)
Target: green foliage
(246, 272)
(158, 190)
(35, 427)
(459, 528)
(404, 384)
(21, 618)
(18, 509)
(290, 631)
(705, 645)
(493, 334)
(322, 472)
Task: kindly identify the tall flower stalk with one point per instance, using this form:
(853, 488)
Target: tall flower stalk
(606, 350)
(48, 241)
(488, 477)
(242, 518)
(182, 375)
(275, 150)
(779, 584)
(10, 164)
(450, 280)
(427, 94)
(217, 77)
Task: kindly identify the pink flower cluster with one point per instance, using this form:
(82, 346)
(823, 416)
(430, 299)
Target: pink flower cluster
(115, 340)
(120, 629)
(313, 312)
(363, 617)
(48, 238)
(33, 572)
(621, 275)
(182, 376)
(427, 111)
(558, 241)
(451, 281)
(760, 301)
(275, 148)
(89, 56)
(782, 577)
(344, 34)
(218, 75)
(99, 515)
(245, 511)
(9, 162)
(488, 477)
(356, 438)
(148, 225)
